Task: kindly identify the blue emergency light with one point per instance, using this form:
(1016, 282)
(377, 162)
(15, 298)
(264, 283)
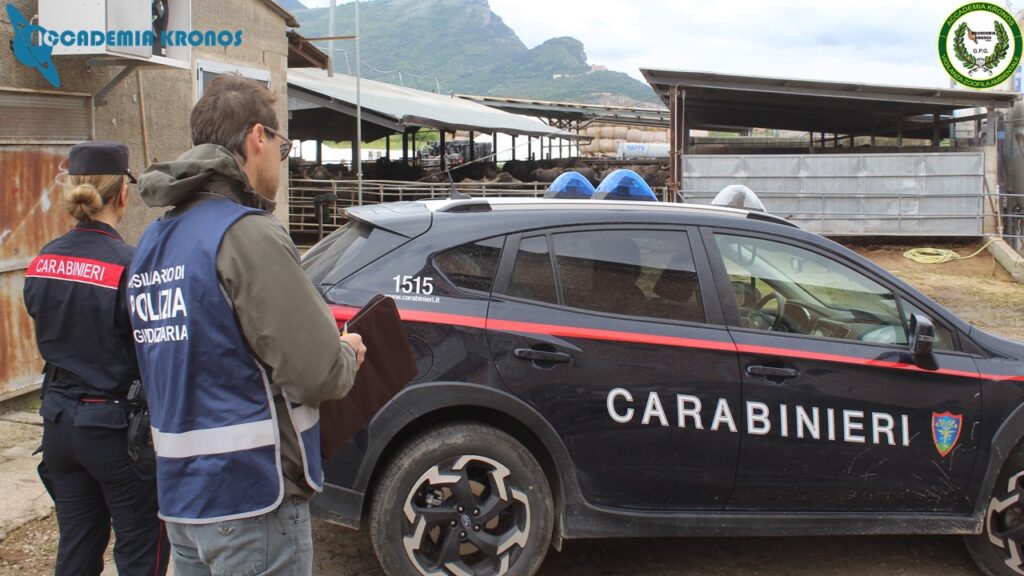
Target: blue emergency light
(624, 184)
(571, 185)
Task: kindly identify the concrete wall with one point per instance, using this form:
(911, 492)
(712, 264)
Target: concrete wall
(169, 95)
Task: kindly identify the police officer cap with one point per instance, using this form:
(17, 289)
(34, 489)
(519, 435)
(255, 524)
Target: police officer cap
(99, 157)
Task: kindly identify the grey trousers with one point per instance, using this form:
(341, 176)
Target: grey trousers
(277, 543)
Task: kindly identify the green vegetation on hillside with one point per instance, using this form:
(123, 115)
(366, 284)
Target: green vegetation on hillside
(469, 49)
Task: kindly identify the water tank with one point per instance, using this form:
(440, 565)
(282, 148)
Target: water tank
(629, 150)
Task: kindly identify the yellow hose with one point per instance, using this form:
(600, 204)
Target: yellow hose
(939, 255)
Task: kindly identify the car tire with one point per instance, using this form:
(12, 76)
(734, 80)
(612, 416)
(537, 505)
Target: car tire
(999, 549)
(462, 498)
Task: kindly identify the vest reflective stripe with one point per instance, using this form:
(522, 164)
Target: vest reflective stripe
(198, 499)
(215, 440)
(306, 422)
(304, 417)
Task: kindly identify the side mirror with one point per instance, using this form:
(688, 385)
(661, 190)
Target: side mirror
(922, 335)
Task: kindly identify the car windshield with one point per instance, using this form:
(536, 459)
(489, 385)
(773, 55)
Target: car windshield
(806, 276)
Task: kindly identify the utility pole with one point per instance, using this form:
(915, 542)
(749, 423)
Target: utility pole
(359, 115)
(330, 43)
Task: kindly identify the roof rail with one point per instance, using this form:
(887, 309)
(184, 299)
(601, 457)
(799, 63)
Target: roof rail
(766, 217)
(467, 205)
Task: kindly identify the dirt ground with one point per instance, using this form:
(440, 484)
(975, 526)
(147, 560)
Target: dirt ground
(30, 551)
(978, 289)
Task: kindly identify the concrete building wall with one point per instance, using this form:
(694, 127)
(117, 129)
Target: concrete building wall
(169, 95)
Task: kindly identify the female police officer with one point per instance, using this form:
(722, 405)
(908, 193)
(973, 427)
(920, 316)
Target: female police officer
(74, 291)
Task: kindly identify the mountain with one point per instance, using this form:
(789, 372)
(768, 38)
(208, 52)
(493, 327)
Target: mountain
(291, 5)
(463, 47)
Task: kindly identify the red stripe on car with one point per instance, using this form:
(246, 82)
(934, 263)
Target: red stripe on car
(343, 313)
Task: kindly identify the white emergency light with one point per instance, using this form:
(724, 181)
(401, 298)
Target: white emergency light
(738, 196)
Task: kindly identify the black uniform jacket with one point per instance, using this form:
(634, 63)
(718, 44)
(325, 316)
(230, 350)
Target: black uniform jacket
(75, 293)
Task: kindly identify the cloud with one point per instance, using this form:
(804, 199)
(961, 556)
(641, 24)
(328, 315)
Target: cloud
(870, 41)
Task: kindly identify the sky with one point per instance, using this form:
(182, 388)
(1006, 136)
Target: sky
(867, 41)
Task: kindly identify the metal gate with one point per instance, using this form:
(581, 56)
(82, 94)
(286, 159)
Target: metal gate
(31, 214)
(909, 194)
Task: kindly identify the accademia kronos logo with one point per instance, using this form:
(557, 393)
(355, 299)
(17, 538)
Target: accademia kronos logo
(980, 45)
(39, 56)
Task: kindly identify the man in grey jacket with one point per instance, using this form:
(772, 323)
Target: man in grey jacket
(234, 493)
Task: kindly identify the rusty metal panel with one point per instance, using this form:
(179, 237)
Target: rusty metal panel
(31, 214)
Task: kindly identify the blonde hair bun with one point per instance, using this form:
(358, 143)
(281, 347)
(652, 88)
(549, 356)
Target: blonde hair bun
(83, 201)
(85, 196)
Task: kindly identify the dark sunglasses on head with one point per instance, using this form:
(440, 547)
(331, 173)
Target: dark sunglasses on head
(286, 147)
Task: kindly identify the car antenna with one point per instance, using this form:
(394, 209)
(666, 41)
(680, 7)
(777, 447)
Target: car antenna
(455, 194)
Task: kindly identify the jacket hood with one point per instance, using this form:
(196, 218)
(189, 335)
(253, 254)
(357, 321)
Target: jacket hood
(204, 168)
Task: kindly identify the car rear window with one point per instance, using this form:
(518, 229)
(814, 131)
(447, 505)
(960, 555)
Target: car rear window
(346, 250)
(471, 266)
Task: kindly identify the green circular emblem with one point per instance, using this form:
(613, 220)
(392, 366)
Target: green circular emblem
(980, 45)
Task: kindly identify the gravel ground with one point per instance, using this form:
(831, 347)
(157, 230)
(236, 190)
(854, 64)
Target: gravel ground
(977, 289)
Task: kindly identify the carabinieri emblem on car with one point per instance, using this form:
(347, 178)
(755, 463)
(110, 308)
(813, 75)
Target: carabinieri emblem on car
(946, 431)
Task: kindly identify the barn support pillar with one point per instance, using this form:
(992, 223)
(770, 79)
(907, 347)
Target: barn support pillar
(442, 161)
(677, 141)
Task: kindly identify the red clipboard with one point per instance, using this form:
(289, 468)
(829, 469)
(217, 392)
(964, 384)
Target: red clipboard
(389, 365)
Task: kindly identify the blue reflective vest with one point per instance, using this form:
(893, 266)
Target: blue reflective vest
(211, 405)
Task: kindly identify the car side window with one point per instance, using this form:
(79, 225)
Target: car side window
(633, 272)
(471, 266)
(943, 335)
(532, 277)
(783, 288)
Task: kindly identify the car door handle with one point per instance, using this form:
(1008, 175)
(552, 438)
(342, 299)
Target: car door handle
(772, 372)
(541, 355)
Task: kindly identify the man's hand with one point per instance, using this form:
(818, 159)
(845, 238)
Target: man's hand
(356, 342)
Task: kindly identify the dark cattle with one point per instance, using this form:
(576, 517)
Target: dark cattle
(506, 177)
(545, 174)
(588, 173)
(475, 171)
(520, 169)
(384, 169)
(318, 172)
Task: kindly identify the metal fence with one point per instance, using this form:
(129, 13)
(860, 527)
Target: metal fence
(905, 194)
(318, 206)
(834, 214)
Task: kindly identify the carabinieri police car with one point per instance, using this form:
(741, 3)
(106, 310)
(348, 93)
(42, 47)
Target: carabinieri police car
(595, 368)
